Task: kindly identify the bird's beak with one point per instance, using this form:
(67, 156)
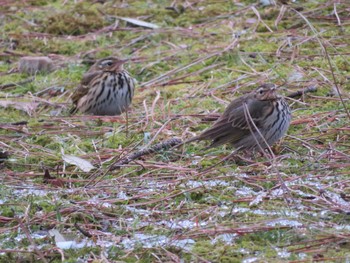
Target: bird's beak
(122, 61)
(272, 93)
(119, 64)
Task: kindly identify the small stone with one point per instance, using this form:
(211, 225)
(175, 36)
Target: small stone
(32, 65)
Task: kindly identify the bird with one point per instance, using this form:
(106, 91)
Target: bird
(105, 89)
(253, 121)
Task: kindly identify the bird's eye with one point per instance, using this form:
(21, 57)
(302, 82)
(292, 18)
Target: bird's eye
(261, 91)
(107, 63)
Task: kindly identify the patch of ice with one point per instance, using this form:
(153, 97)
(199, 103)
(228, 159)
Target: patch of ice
(20, 237)
(122, 195)
(39, 234)
(147, 241)
(183, 243)
(104, 243)
(250, 260)
(138, 211)
(222, 213)
(283, 253)
(342, 227)
(266, 2)
(106, 205)
(72, 244)
(181, 224)
(284, 222)
(245, 191)
(26, 192)
(295, 75)
(337, 199)
(258, 199)
(96, 201)
(226, 238)
(209, 183)
(241, 210)
(154, 186)
(244, 251)
(277, 192)
(301, 193)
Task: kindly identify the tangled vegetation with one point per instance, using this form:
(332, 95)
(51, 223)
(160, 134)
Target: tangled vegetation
(190, 59)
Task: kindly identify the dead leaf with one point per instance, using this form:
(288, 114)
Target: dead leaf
(82, 164)
(137, 22)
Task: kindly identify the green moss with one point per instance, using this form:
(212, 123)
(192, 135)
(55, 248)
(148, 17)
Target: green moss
(77, 21)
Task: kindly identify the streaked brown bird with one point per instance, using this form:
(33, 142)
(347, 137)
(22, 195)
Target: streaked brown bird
(105, 89)
(253, 121)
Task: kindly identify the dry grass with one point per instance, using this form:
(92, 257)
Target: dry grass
(168, 206)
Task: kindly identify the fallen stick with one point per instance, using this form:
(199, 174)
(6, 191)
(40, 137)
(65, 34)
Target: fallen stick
(9, 85)
(155, 148)
(299, 93)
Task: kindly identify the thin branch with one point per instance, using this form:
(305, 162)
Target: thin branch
(299, 93)
(156, 148)
(9, 85)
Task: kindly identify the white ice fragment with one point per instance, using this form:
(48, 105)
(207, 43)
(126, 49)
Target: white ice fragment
(122, 195)
(226, 238)
(138, 211)
(250, 260)
(285, 222)
(183, 243)
(258, 199)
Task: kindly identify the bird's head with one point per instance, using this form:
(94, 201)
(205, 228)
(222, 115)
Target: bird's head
(111, 64)
(266, 92)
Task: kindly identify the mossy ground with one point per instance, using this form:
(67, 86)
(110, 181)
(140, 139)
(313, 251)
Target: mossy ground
(204, 54)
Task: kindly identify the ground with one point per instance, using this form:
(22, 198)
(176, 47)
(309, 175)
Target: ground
(190, 61)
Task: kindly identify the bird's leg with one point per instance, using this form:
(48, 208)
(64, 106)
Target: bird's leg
(127, 123)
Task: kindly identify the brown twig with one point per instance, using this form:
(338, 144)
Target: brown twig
(159, 146)
(299, 93)
(37, 251)
(84, 232)
(9, 85)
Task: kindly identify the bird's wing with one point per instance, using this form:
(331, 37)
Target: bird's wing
(240, 117)
(232, 126)
(78, 93)
(89, 76)
(83, 88)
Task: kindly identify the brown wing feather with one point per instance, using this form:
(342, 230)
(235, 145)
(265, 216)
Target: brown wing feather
(232, 126)
(83, 88)
(89, 76)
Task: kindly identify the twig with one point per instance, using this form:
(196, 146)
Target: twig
(159, 146)
(84, 232)
(328, 59)
(159, 130)
(37, 251)
(9, 85)
(299, 93)
(99, 172)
